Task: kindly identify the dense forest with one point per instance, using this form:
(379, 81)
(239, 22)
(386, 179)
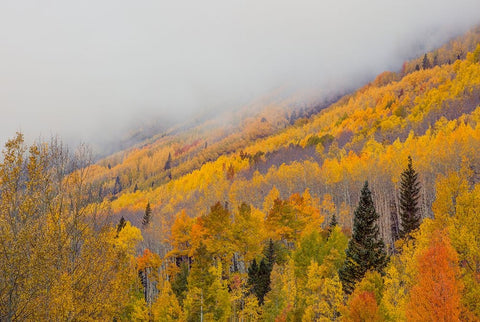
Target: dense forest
(360, 208)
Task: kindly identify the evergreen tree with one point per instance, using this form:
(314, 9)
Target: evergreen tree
(253, 277)
(168, 163)
(333, 222)
(259, 275)
(264, 271)
(259, 279)
(425, 62)
(147, 216)
(252, 272)
(120, 225)
(366, 250)
(409, 195)
(269, 253)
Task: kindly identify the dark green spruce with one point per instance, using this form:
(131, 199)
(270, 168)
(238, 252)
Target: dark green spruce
(425, 62)
(409, 195)
(147, 216)
(168, 163)
(121, 225)
(333, 222)
(259, 275)
(366, 250)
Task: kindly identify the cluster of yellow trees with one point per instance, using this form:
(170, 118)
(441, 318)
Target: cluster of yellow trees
(60, 258)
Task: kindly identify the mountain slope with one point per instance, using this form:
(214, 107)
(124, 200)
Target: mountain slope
(365, 135)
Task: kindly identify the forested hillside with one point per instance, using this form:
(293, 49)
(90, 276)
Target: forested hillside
(364, 209)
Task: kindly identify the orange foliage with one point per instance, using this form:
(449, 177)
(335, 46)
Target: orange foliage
(180, 234)
(362, 307)
(148, 260)
(436, 295)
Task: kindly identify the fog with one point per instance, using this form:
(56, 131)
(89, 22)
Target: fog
(87, 70)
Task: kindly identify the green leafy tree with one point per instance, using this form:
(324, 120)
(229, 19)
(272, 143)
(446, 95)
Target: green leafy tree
(409, 195)
(166, 307)
(366, 250)
(179, 283)
(207, 296)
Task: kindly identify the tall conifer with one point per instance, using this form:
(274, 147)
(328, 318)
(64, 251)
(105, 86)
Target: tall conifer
(409, 195)
(259, 275)
(425, 62)
(366, 250)
(333, 222)
(121, 225)
(147, 216)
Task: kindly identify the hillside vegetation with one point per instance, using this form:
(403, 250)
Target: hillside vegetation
(358, 211)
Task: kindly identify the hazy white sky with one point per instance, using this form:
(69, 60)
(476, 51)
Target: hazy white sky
(84, 68)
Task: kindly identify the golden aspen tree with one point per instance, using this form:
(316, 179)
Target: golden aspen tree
(166, 307)
(323, 295)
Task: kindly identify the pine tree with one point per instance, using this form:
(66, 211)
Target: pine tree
(168, 163)
(425, 62)
(366, 250)
(333, 222)
(259, 275)
(264, 271)
(147, 216)
(269, 253)
(121, 225)
(253, 277)
(259, 279)
(409, 195)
